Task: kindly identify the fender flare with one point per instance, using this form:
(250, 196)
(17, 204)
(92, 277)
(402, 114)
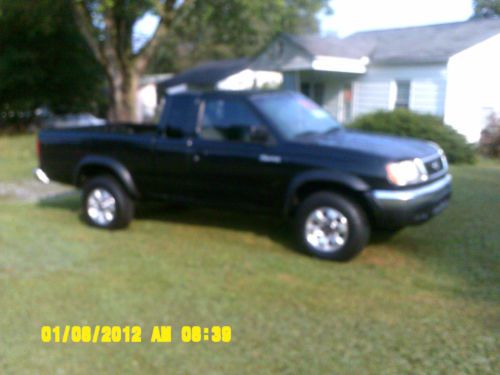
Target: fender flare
(343, 179)
(118, 169)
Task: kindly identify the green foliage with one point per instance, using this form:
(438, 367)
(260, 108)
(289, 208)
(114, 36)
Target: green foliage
(489, 145)
(486, 8)
(124, 12)
(44, 61)
(405, 123)
(222, 29)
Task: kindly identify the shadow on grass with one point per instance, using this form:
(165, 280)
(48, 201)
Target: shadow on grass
(68, 201)
(274, 228)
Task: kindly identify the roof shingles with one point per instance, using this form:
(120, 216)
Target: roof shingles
(422, 44)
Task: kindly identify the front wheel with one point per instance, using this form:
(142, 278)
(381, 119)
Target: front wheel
(331, 226)
(106, 204)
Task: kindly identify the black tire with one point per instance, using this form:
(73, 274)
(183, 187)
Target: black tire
(124, 206)
(358, 232)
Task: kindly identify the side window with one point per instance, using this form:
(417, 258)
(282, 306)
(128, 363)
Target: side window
(179, 117)
(228, 120)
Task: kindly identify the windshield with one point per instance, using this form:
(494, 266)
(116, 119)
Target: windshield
(295, 115)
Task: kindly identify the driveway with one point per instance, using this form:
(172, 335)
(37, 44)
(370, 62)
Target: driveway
(30, 190)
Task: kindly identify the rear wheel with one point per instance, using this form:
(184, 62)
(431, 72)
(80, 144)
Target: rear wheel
(331, 226)
(106, 204)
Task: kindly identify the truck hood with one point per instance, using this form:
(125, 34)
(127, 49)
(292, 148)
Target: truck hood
(384, 146)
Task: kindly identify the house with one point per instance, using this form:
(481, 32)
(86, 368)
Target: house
(149, 96)
(449, 70)
(223, 75)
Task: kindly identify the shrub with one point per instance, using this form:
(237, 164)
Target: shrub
(489, 145)
(409, 124)
(14, 127)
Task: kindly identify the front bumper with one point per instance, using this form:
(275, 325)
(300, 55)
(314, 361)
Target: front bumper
(395, 208)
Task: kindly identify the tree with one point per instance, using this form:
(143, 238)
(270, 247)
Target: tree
(486, 8)
(44, 61)
(108, 28)
(221, 29)
(218, 28)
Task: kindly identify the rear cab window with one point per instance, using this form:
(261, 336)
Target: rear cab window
(180, 115)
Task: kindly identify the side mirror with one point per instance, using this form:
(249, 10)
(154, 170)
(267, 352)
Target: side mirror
(259, 134)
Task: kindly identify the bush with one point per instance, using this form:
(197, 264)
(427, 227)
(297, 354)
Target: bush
(17, 125)
(409, 124)
(489, 145)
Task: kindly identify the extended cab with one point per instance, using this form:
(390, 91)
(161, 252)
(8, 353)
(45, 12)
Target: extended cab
(276, 152)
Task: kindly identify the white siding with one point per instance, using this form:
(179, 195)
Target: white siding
(146, 102)
(473, 89)
(427, 96)
(377, 88)
(370, 96)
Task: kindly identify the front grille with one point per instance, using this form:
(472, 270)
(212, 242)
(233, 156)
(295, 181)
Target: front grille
(435, 166)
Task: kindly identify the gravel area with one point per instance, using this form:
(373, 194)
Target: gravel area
(31, 190)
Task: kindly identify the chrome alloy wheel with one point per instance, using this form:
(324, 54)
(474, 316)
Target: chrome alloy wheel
(101, 207)
(326, 229)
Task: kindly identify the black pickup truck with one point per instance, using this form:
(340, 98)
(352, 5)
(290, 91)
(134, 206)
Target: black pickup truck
(276, 152)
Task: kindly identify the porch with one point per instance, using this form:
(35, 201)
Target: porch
(331, 90)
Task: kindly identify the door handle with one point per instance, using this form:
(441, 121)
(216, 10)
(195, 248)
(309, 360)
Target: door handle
(265, 158)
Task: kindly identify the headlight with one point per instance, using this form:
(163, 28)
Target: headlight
(406, 172)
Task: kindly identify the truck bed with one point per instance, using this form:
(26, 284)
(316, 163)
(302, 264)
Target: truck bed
(62, 149)
(115, 128)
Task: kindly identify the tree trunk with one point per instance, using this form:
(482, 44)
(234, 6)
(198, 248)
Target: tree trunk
(112, 47)
(123, 85)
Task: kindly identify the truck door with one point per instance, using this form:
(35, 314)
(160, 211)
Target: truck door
(234, 160)
(173, 147)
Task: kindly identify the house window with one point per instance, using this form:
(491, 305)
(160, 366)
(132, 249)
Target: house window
(315, 91)
(403, 94)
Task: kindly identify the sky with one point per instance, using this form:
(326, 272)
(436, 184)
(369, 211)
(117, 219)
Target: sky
(359, 15)
(351, 16)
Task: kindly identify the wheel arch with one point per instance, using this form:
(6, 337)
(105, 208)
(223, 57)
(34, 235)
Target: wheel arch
(338, 182)
(94, 165)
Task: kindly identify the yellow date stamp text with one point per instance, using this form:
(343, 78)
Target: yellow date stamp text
(95, 334)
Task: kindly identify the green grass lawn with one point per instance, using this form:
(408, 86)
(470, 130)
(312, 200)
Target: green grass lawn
(17, 157)
(426, 302)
